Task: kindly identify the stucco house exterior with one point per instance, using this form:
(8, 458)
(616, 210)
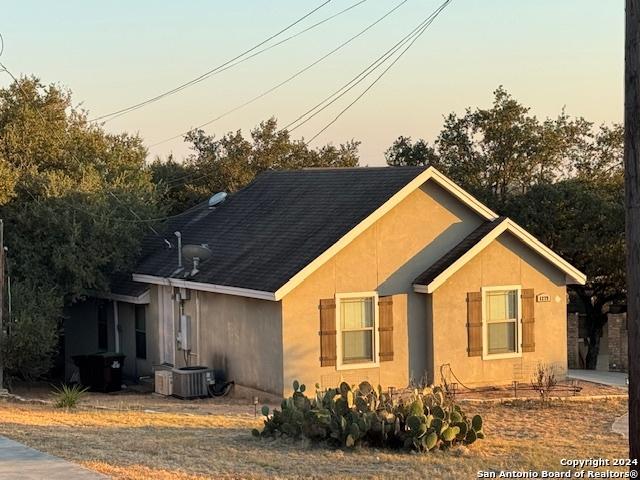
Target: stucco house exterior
(324, 275)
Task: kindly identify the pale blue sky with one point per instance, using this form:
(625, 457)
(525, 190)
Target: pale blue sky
(547, 53)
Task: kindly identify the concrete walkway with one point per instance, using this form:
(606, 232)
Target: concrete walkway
(19, 461)
(621, 425)
(614, 379)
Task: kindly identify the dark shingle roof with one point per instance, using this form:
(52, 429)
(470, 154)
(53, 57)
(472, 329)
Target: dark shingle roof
(121, 284)
(267, 232)
(458, 251)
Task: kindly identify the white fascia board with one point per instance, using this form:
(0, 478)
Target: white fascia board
(462, 195)
(573, 275)
(404, 192)
(142, 299)
(204, 287)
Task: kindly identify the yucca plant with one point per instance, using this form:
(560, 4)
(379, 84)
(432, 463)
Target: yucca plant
(67, 396)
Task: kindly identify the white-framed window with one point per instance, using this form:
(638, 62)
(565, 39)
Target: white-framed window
(357, 339)
(501, 322)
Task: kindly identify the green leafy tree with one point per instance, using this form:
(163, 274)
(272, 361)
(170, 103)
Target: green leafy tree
(405, 152)
(560, 178)
(67, 209)
(583, 221)
(232, 161)
(499, 151)
(174, 181)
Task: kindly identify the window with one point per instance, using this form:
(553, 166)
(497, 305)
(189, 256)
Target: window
(357, 319)
(141, 332)
(502, 321)
(103, 331)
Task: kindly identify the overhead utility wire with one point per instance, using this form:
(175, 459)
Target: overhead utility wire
(123, 111)
(287, 80)
(411, 38)
(364, 92)
(4, 68)
(175, 181)
(344, 89)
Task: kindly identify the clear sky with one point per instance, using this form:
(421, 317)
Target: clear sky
(547, 53)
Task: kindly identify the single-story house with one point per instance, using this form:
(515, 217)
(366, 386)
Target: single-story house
(325, 275)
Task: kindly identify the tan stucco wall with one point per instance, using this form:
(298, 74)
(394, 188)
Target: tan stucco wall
(240, 336)
(503, 262)
(153, 326)
(385, 258)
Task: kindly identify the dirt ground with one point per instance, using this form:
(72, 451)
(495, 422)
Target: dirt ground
(563, 389)
(144, 436)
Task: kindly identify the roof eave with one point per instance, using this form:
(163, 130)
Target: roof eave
(430, 173)
(572, 274)
(204, 287)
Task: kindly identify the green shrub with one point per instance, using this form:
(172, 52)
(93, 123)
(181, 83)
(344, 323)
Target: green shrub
(348, 417)
(68, 396)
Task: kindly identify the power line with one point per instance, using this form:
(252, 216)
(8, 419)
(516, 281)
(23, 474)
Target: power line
(344, 89)
(205, 75)
(71, 205)
(287, 80)
(335, 119)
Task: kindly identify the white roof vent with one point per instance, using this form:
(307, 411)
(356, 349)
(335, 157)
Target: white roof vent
(217, 199)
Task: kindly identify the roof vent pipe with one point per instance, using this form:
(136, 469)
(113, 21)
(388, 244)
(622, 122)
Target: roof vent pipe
(196, 262)
(179, 235)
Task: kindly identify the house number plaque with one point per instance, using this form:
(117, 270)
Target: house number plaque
(543, 297)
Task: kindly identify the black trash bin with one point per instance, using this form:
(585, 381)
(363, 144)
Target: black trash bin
(101, 372)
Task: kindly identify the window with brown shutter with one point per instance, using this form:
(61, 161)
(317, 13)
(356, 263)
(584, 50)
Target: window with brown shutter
(527, 298)
(327, 332)
(474, 324)
(385, 318)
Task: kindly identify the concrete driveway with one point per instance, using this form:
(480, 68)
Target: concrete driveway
(614, 379)
(20, 461)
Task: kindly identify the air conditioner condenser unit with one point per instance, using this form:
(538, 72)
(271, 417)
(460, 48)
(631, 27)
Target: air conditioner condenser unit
(192, 382)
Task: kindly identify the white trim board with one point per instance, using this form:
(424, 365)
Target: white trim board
(142, 299)
(485, 323)
(376, 333)
(204, 287)
(573, 275)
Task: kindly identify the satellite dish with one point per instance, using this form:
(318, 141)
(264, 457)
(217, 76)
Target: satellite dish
(202, 253)
(217, 199)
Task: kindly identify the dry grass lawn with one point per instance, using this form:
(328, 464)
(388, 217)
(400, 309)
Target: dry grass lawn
(216, 442)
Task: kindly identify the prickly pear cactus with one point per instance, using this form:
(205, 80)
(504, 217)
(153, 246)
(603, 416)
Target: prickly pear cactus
(348, 416)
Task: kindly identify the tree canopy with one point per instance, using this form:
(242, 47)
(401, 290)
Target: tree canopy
(560, 178)
(503, 151)
(66, 196)
(232, 161)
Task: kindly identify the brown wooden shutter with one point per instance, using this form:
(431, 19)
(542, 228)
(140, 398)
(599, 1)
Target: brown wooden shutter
(327, 332)
(474, 323)
(385, 328)
(528, 320)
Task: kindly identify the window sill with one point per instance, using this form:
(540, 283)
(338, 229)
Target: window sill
(356, 366)
(500, 356)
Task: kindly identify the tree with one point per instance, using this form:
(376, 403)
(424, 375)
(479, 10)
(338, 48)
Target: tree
(497, 152)
(560, 178)
(67, 210)
(583, 221)
(231, 162)
(404, 152)
(173, 180)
